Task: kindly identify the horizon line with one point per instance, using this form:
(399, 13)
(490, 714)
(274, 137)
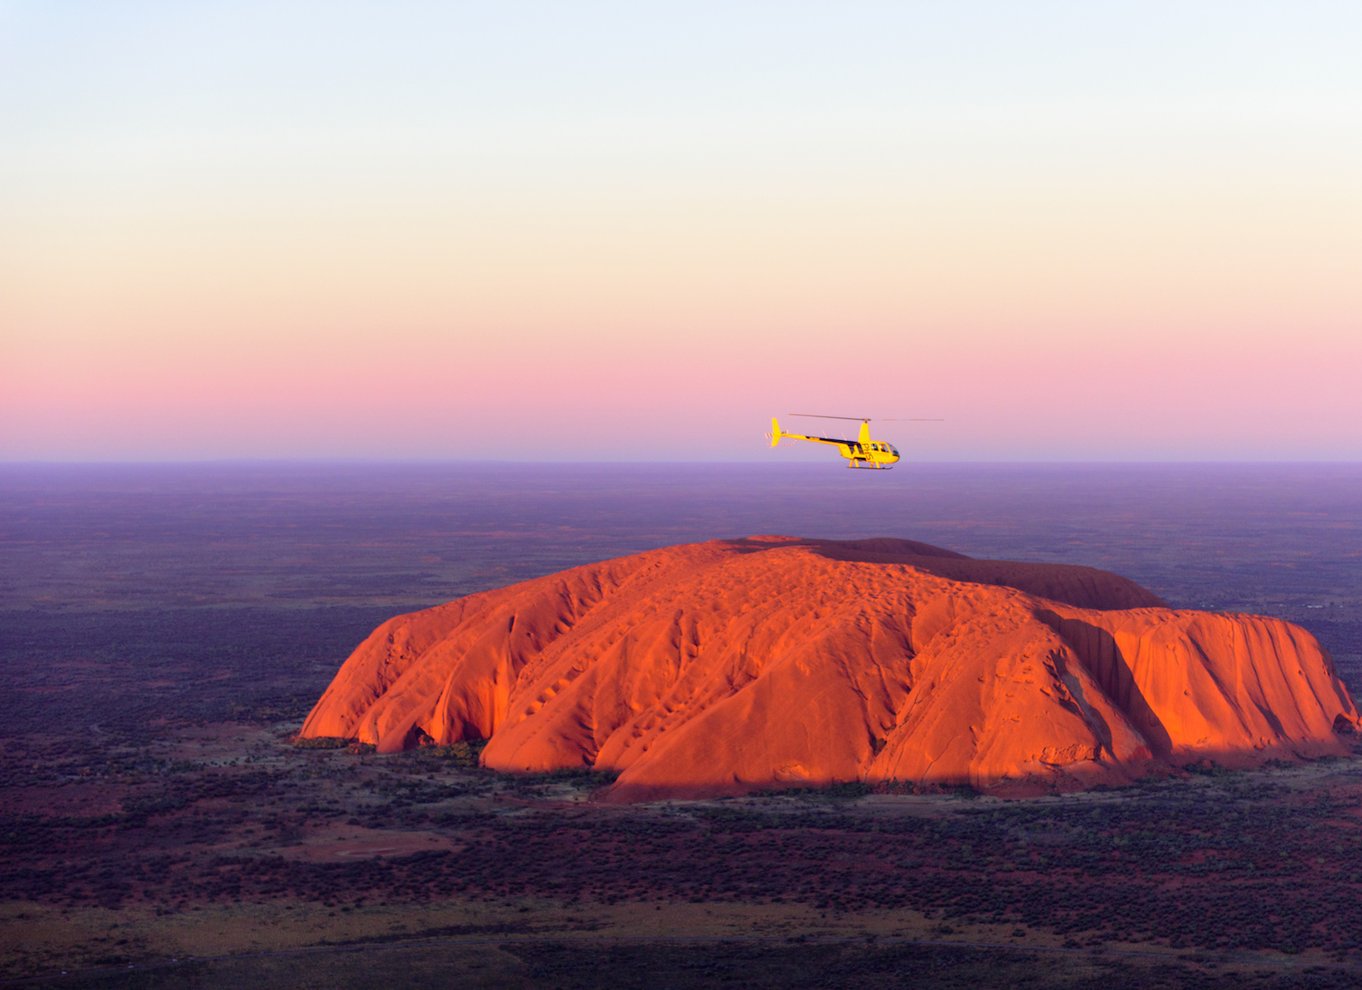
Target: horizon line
(319, 461)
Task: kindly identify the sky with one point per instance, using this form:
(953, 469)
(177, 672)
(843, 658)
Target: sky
(638, 230)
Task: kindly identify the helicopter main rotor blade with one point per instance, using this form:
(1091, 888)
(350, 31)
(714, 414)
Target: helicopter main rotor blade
(866, 419)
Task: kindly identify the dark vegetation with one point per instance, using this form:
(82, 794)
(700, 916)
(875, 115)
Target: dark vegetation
(160, 645)
(799, 964)
(1253, 860)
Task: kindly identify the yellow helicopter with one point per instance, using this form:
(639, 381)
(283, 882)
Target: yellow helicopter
(863, 452)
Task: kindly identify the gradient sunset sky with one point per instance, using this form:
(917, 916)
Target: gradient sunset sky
(575, 230)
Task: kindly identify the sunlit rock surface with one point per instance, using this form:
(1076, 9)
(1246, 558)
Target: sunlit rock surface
(770, 662)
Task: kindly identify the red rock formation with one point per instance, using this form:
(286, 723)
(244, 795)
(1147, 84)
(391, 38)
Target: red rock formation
(724, 667)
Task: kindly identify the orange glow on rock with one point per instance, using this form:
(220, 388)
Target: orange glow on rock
(732, 666)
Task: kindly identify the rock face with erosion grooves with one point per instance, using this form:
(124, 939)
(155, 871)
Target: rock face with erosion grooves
(770, 662)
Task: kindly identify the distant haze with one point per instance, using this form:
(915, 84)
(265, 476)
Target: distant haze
(1117, 231)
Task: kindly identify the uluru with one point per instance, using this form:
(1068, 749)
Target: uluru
(772, 662)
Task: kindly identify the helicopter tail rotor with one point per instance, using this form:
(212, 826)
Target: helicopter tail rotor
(774, 435)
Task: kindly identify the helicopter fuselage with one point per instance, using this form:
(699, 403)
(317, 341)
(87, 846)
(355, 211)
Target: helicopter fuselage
(863, 452)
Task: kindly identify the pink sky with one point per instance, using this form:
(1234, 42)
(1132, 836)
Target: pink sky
(256, 250)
